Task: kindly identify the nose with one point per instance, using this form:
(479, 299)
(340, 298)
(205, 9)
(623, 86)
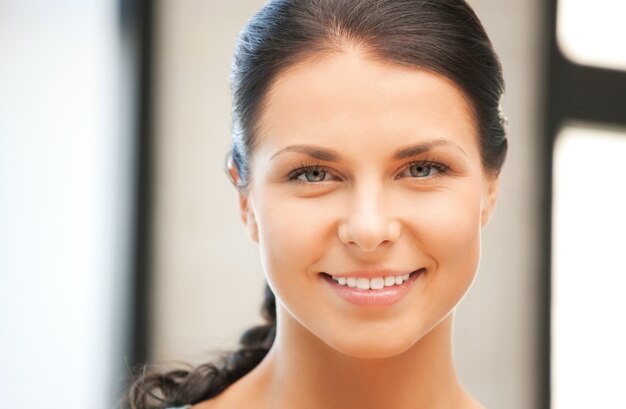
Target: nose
(369, 224)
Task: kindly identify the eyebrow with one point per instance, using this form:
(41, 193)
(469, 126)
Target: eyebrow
(316, 152)
(330, 155)
(425, 147)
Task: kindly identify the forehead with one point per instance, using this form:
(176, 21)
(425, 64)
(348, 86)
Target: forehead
(347, 99)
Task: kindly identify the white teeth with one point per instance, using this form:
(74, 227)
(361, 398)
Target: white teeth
(363, 283)
(376, 283)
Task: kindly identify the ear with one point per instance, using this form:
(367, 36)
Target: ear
(489, 200)
(246, 212)
(231, 170)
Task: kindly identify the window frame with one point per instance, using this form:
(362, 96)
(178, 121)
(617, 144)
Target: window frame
(573, 93)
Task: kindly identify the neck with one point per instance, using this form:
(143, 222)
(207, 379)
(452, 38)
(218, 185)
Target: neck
(303, 372)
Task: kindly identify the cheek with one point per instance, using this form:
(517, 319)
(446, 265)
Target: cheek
(293, 233)
(454, 229)
(449, 236)
(448, 222)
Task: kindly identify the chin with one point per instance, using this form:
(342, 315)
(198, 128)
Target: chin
(376, 346)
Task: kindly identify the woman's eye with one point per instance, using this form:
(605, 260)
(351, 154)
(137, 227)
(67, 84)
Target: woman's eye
(421, 171)
(425, 169)
(314, 175)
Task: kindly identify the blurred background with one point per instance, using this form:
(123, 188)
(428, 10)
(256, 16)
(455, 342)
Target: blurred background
(120, 240)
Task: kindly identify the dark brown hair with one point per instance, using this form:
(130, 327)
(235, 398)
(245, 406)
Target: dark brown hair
(442, 36)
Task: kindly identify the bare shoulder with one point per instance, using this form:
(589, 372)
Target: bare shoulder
(246, 393)
(228, 399)
(474, 404)
(208, 404)
(219, 402)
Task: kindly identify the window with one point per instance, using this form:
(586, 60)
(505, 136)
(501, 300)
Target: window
(593, 33)
(588, 268)
(585, 227)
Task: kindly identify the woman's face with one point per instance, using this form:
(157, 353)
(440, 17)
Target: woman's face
(365, 170)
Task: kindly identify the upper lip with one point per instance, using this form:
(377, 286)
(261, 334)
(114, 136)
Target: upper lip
(372, 273)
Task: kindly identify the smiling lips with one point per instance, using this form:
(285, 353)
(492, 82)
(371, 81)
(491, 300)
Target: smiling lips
(374, 283)
(373, 290)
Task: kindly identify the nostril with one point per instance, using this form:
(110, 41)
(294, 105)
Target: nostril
(369, 235)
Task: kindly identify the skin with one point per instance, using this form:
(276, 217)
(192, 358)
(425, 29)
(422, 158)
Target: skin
(363, 210)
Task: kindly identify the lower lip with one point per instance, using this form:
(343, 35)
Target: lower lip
(373, 298)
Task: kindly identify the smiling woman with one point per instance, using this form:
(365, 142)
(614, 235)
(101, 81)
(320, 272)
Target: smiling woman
(367, 146)
(401, 193)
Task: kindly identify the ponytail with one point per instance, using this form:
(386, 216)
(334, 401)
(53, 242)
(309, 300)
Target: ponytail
(155, 390)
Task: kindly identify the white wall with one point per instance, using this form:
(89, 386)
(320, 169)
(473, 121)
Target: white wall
(496, 329)
(208, 277)
(209, 282)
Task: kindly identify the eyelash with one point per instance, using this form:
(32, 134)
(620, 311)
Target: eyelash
(304, 167)
(441, 168)
(293, 176)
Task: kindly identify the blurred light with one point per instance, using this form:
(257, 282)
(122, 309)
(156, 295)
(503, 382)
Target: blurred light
(589, 270)
(593, 33)
(65, 150)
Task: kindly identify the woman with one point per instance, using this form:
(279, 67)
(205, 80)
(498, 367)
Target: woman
(367, 146)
